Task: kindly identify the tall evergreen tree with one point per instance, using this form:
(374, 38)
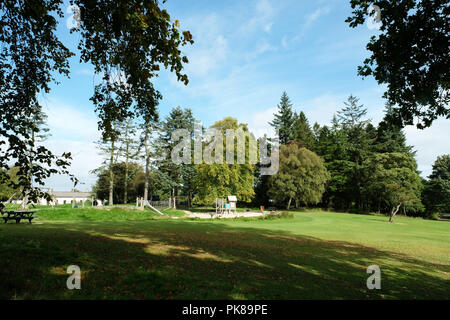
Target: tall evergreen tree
(332, 145)
(38, 133)
(284, 119)
(390, 135)
(147, 142)
(361, 137)
(108, 147)
(301, 130)
(177, 119)
(128, 150)
(436, 195)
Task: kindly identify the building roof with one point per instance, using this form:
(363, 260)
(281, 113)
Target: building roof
(70, 194)
(232, 198)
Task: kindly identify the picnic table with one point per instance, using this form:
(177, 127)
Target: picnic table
(18, 215)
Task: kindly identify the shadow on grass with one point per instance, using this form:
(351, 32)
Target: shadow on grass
(201, 260)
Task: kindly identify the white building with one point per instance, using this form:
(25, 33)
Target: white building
(65, 197)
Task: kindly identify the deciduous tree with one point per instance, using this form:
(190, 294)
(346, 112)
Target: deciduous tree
(410, 56)
(301, 177)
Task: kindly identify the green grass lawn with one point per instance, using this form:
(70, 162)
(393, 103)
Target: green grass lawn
(137, 254)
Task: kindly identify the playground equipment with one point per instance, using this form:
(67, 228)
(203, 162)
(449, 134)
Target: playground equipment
(227, 205)
(141, 203)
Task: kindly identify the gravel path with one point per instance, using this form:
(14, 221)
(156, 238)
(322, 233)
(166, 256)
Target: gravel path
(213, 215)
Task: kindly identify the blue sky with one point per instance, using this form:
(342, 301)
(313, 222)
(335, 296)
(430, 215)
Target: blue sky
(246, 53)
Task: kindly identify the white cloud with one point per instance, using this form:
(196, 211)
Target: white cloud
(74, 130)
(429, 143)
(310, 18)
(309, 21)
(85, 72)
(262, 18)
(259, 122)
(65, 120)
(85, 157)
(207, 57)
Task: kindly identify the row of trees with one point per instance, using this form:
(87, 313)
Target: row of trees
(349, 165)
(370, 168)
(128, 41)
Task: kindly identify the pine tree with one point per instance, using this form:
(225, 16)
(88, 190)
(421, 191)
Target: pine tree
(284, 119)
(301, 131)
(351, 115)
(436, 195)
(39, 132)
(361, 136)
(177, 119)
(332, 146)
(128, 150)
(108, 148)
(390, 136)
(148, 129)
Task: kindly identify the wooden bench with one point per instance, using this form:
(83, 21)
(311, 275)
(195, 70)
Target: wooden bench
(18, 215)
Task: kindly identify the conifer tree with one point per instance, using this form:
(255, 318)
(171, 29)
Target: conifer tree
(284, 119)
(301, 131)
(128, 150)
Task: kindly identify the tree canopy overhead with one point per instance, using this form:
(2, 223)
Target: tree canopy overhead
(410, 56)
(126, 41)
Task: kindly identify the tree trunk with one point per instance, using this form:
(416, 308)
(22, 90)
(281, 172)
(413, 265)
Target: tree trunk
(289, 203)
(147, 163)
(189, 198)
(125, 187)
(394, 212)
(111, 175)
(30, 177)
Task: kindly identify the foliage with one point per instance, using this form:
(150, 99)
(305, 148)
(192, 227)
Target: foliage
(391, 179)
(360, 138)
(284, 119)
(436, 194)
(8, 178)
(30, 58)
(390, 136)
(135, 182)
(179, 176)
(301, 176)
(219, 180)
(126, 42)
(410, 56)
(301, 131)
(128, 150)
